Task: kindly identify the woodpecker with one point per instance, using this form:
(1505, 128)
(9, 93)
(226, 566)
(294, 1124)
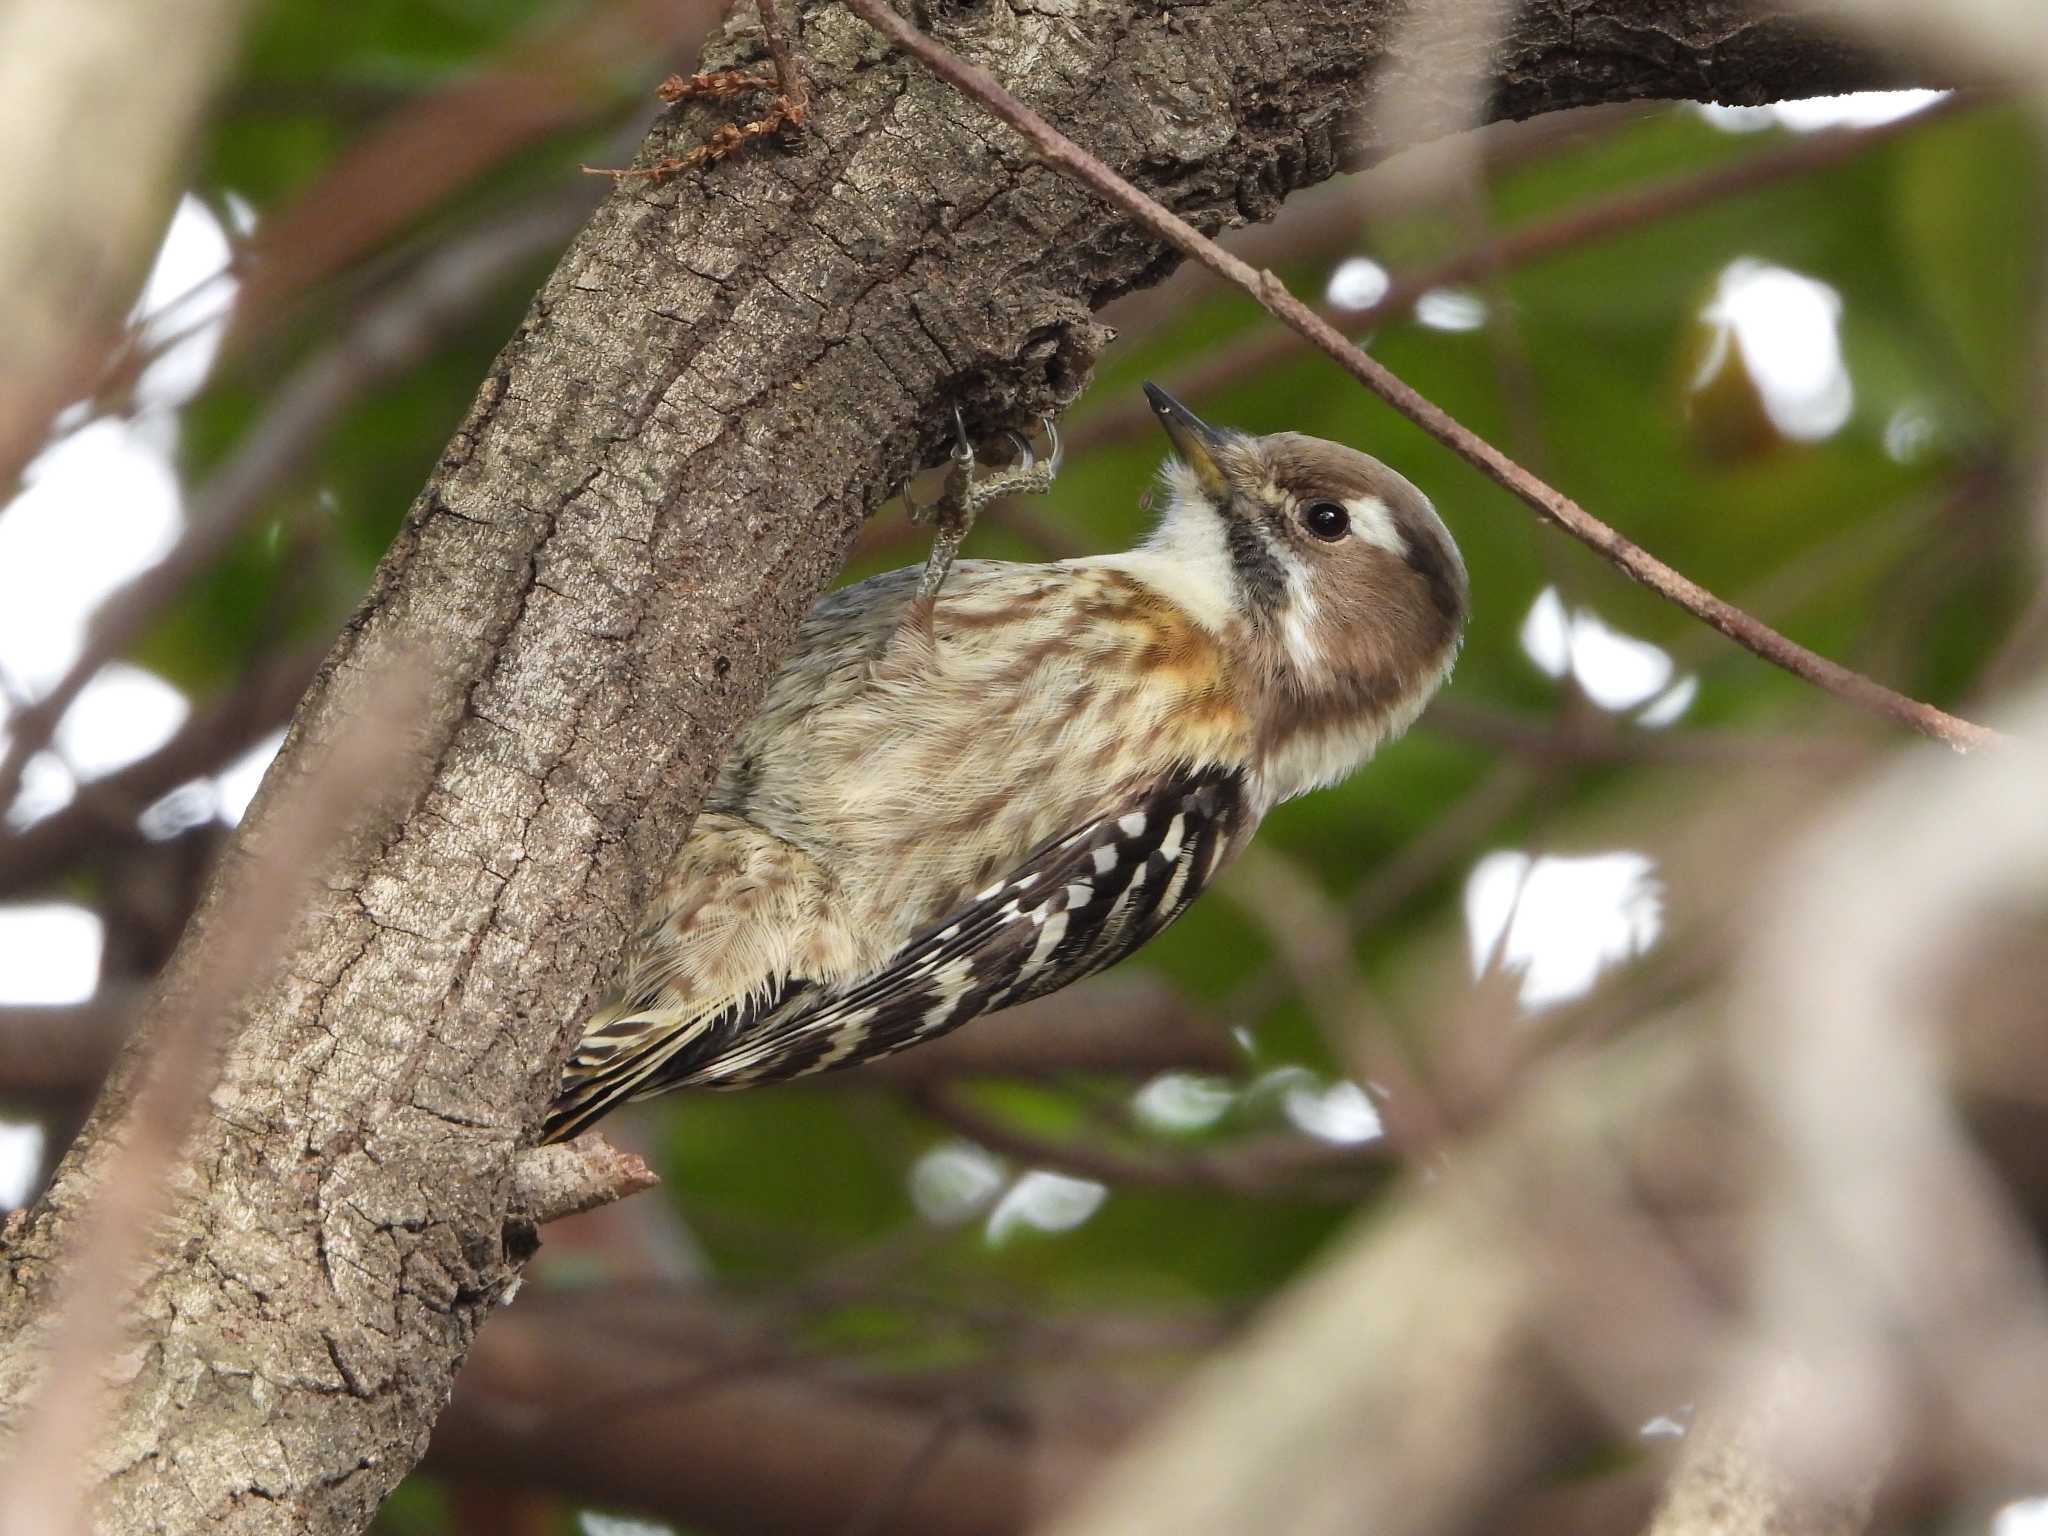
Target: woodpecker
(951, 803)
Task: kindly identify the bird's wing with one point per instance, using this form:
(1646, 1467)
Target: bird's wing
(626, 1054)
(1076, 904)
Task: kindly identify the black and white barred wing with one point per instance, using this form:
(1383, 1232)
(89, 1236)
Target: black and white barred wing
(1078, 903)
(635, 1054)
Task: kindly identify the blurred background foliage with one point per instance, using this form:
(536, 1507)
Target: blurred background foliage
(864, 1211)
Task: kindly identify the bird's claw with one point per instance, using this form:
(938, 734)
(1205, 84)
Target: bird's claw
(1029, 476)
(1027, 458)
(967, 492)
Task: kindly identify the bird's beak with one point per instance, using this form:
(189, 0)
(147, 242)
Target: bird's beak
(1194, 440)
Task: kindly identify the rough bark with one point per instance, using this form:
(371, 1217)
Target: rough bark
(725, 373)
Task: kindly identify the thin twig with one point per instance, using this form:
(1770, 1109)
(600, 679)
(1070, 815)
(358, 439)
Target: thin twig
(1063, 155)
(789, 76)
(1280, 1163)
(1312, 948)
(883, 1510)
(1534, 241)
(1452, 833)
(102, 815)
(1599, 737)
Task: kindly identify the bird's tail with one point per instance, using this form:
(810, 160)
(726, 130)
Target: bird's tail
(621, 1057)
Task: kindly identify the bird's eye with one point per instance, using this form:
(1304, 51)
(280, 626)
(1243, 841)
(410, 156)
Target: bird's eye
(1326, 520)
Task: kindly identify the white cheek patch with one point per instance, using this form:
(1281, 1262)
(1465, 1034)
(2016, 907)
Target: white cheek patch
(1298, 624)
(1372, 522)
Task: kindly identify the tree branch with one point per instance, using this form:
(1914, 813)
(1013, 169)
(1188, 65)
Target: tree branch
(1129, 1021)
(549, 1183)
(64, 1049)
(104, 810)
(1734, 1475)
(1534, 241)
(727, 1445)
(1285, 1163)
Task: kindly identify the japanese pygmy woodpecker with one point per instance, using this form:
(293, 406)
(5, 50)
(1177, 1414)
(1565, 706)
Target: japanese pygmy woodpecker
(947, 806)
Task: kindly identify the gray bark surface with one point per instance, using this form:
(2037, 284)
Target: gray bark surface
(666, 463)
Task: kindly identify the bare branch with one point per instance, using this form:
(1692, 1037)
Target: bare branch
(1535, 241)
(549, 1183)
(1598, 737)
(1345, 1409)
(1131, 1024)
(1312, 946)
(66, 1049)
(104, 811)
(1280, 1163)
(744, 1447)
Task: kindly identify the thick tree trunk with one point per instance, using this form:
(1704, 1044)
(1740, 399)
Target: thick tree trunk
(724, 375)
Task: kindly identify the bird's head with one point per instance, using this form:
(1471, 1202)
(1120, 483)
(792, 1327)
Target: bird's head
(1336, 574)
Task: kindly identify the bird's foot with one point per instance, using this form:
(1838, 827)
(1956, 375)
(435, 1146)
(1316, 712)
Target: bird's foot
(967, 492)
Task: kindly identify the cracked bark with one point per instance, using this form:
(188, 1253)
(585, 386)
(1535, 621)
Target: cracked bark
(724, 374)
